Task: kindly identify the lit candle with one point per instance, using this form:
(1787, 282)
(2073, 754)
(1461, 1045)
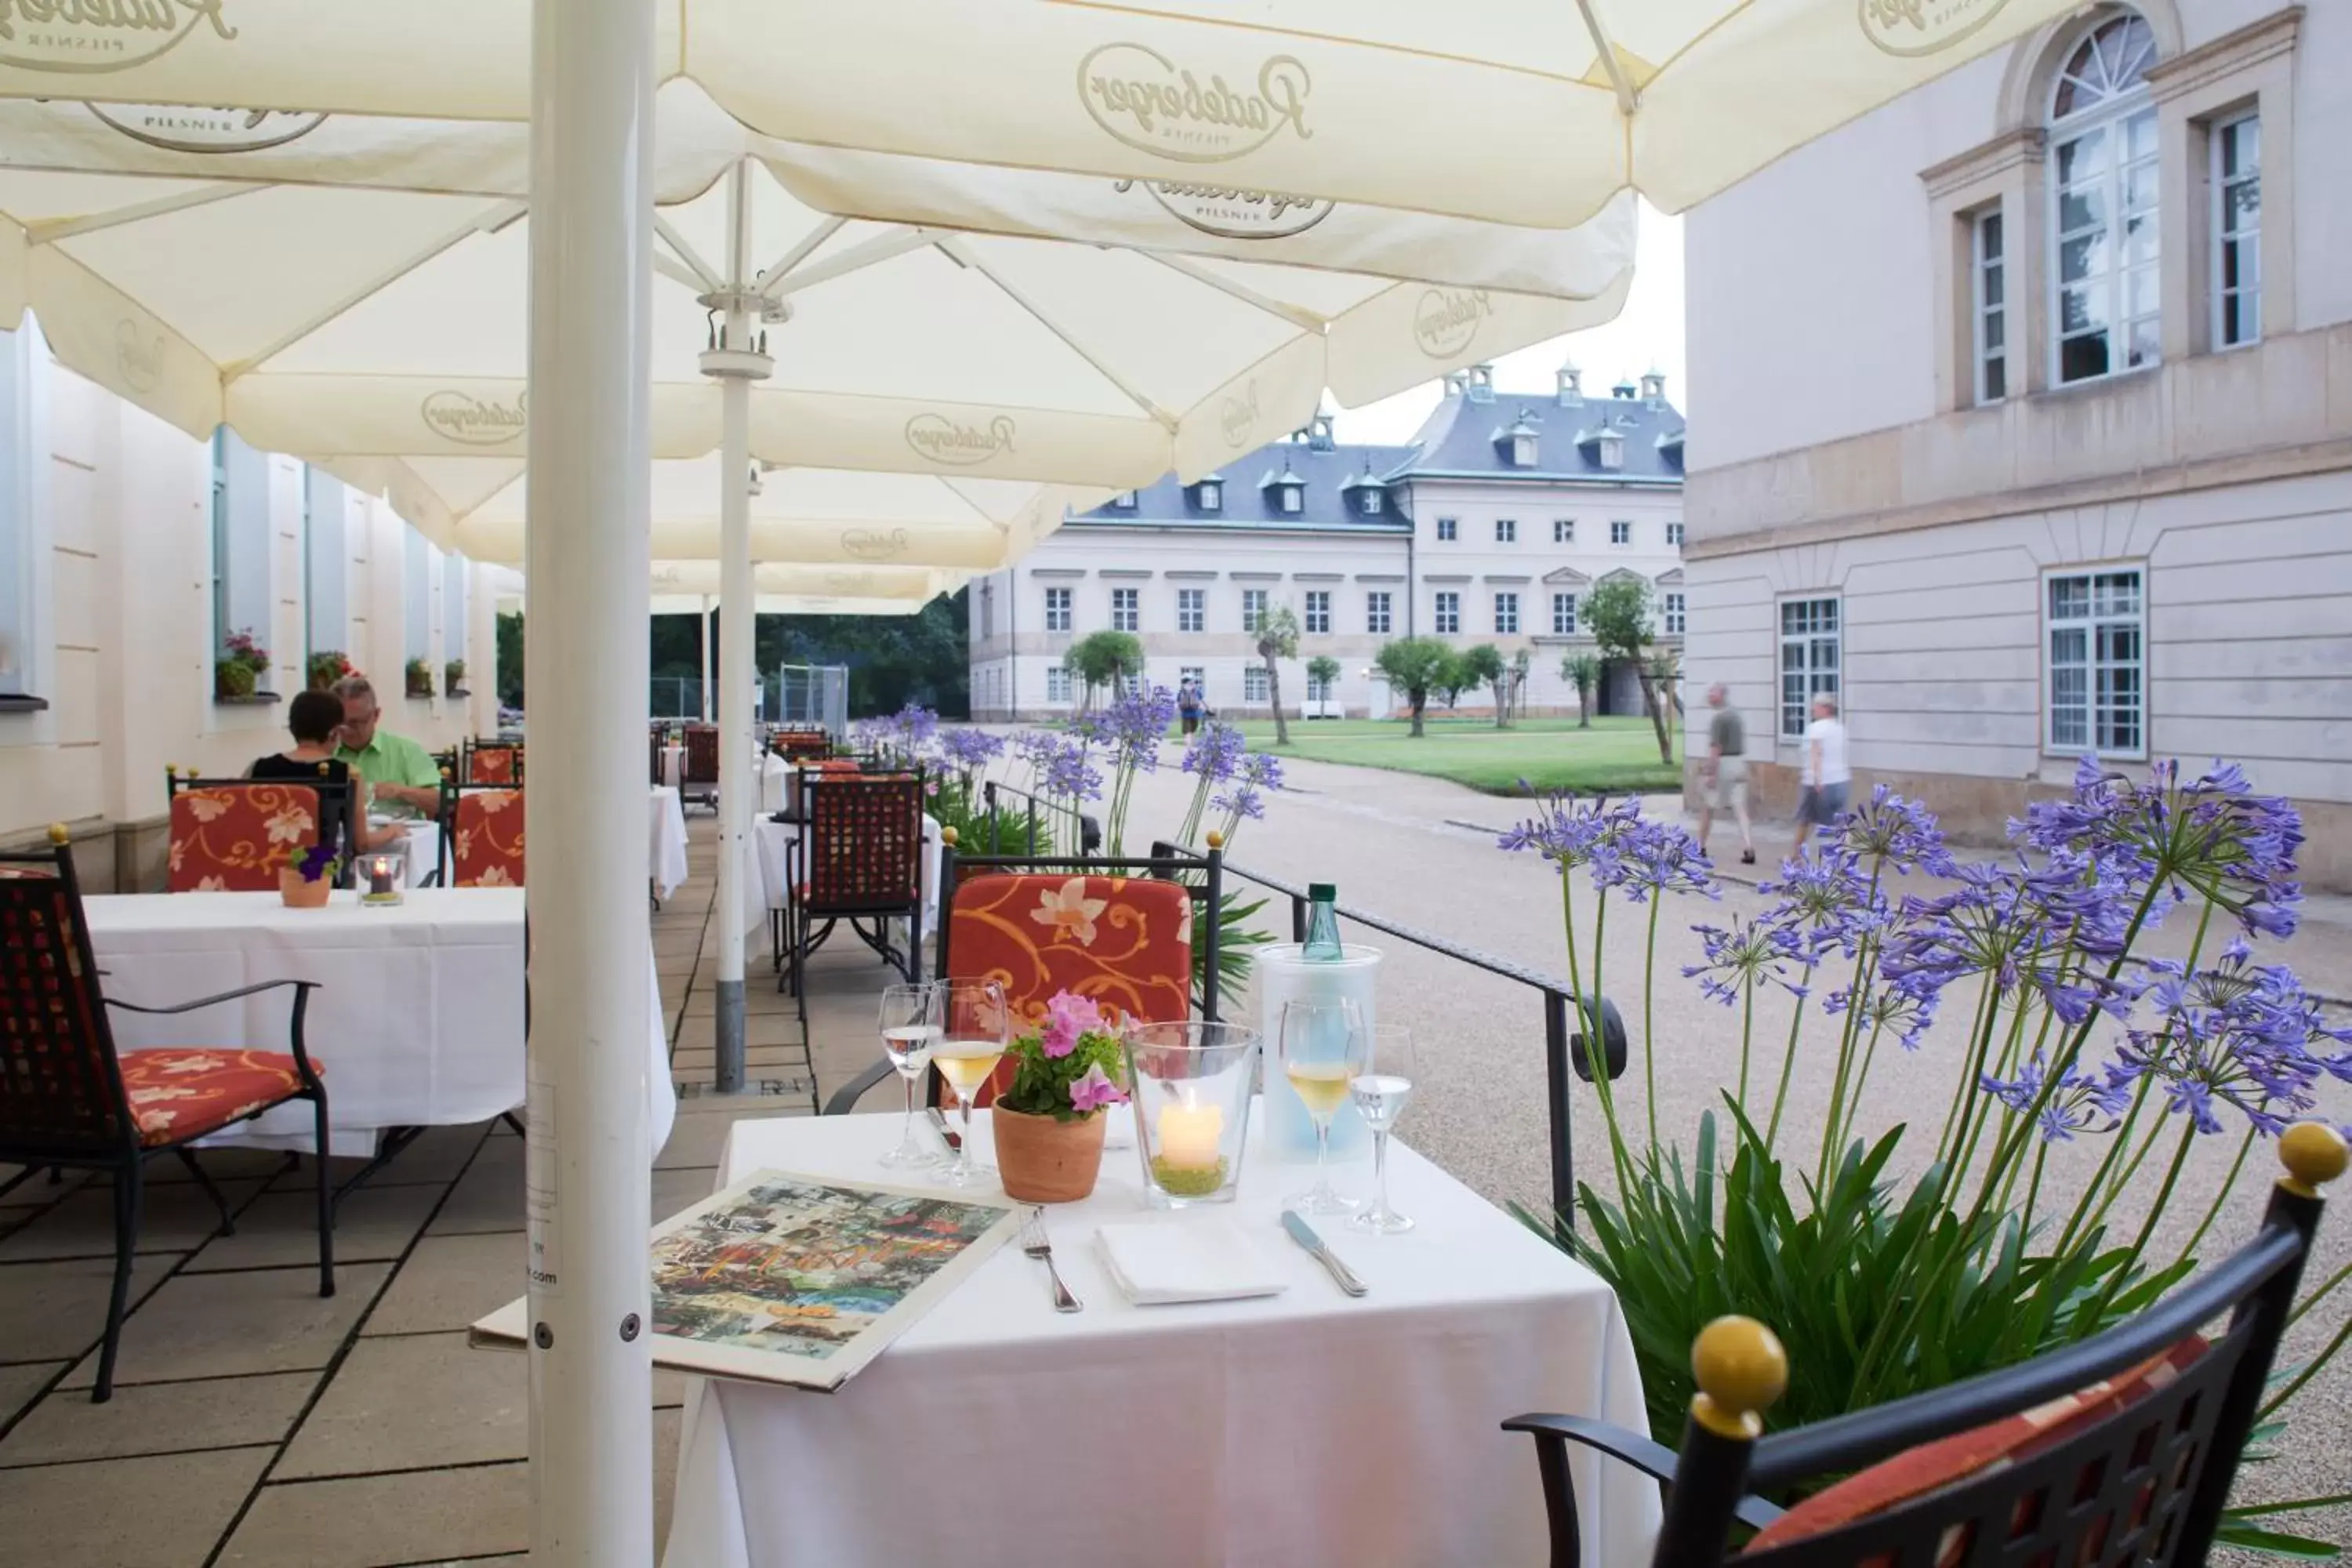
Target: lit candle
(380, 876)
(1189, 1135)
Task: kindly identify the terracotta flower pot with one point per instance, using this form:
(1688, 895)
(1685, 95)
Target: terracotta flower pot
(305, 895)
(1043, 1161)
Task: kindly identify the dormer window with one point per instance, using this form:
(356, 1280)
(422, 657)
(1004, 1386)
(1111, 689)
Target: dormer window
(1523, 451)
(1123, 502)
(1612, 453)
(1286, 492)
(1209, 494)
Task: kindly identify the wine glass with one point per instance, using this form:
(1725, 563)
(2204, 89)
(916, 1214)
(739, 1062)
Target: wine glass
(1323, 1046)
(911, 1029)
(973, 1029)
(1380, 1091)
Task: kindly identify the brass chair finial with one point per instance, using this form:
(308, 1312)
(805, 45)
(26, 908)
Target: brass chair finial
(2314, 1154)
(948, 837)
(58, 833)
(1741, 1370)
(1216, 839)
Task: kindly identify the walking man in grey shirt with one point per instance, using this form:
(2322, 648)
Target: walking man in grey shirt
(1724, 774)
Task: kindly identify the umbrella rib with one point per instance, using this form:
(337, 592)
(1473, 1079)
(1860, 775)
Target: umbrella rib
(956, 250)
(710, 280)
(489, 219)
(800, 251)
(678, 272)
(1297, 315)
(881, 249)
(65, 228)
(1628, 100)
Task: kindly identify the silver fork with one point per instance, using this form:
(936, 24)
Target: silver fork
(1038, 1245)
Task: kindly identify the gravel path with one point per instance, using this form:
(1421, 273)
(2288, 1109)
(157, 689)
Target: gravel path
(1423, 852)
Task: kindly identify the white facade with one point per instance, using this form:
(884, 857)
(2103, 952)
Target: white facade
(1492, 554)
(106, 527)
(2132, 540)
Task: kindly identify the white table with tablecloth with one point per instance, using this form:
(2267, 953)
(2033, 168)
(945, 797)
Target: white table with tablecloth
(666, 867)
(418, 1020)
(1302, 1429)
(773, 770)
(772, 841)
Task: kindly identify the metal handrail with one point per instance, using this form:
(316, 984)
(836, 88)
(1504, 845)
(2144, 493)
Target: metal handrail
(1565, 1050)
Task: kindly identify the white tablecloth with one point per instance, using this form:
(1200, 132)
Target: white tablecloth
(1299, 1430)
(417, 1021)
(668, 866)
(773, 841)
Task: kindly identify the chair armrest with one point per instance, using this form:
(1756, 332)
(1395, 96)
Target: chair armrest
(845, 1099)
(1651, 1457)
(307, 986)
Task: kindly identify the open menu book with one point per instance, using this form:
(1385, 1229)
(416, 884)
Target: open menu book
(799, 1280)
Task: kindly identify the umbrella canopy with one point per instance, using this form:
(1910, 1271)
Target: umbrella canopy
(917, 585)
(1354, 100)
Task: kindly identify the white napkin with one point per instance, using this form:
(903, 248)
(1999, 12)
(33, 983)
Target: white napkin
(1196, 1257)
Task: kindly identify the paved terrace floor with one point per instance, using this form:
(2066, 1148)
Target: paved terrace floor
(254, 1424)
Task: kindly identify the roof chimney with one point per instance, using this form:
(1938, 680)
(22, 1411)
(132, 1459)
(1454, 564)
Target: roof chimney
(1653, 388)
(1571, 386)
(1482, 384)
(1624, 389)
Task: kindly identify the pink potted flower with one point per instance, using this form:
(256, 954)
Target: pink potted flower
(1049, 1123)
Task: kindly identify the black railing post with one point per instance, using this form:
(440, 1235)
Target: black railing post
(1556, 1091)
(1299, 918)
(1212, 974)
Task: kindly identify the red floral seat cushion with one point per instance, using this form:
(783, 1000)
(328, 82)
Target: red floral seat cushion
(1997, 1445)
(1125, 942)
(179, 1094)
(485, 840)
(236, 837)
(493, 764)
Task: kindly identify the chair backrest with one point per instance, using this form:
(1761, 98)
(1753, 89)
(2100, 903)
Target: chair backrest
(796, 744)
(236, 835)
(861, 852)
(485, 840)
(61, 1092)
(2116, 1451)
(701, 755)
(493, 762)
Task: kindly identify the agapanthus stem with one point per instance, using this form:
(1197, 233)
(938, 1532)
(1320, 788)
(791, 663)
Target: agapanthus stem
(2320, 1295)
(1980, 1030)
(1854, 1097)
(2311, 1370)
(2213, 1210)
(2148, 1227)
(2116, 1144)
(1747, 1030)
(1852, 1023)
(1788, 1065)
(1596, 1050)
(1649, 1028)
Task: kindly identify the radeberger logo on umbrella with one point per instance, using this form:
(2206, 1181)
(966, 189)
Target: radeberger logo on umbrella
(138, 355)
(1238, 415)
(945, 441)
(1231, 212)
(874, 543)
(85, 37)
(1142, 98)
(476, 422)
(1445, 322)
(178, 130)
(1923, 27)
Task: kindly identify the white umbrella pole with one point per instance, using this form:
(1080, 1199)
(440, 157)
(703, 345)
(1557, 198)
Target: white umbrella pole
(703, 637)
(588, 550)
(735, 362)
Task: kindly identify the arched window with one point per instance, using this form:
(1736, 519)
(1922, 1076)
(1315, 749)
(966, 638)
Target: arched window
(2104, 192)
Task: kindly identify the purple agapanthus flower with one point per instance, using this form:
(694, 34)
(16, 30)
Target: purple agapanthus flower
(2238, 1034)
(1663, 858)
(2080, 1101)
(1889, 831)
(1133, 727)
(1216, 753)
(1747, 952)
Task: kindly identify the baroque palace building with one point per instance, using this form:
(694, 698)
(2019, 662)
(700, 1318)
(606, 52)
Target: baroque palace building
(2052, 453)
(1490, 526)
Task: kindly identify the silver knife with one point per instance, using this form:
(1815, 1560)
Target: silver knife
(948, 1135)
(1304, 1234)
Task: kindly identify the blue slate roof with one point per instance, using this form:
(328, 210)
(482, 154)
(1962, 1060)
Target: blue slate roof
(1467, 435)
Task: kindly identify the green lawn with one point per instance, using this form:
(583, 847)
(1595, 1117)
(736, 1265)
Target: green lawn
(1614, 755)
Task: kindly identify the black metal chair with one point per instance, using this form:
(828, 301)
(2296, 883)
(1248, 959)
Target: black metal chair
(698, 776)
(224, 832)
(492, 762)
(70, 1100)
(2139, 1478)
(859, 858)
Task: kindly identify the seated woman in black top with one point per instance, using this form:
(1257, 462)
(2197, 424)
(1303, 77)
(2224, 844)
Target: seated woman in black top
(314, 716)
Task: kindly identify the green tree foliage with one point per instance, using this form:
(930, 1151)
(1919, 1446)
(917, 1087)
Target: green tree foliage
(1483, 665)
(1618, 612)
(1100, 659)
(892, 660)
(1277, 639)
(1417, 667)
(1583, 672)
(510, 672)
(1323, 670)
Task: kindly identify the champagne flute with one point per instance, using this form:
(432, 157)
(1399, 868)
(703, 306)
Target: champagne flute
(973, 1032)
(1323, 1045)
(910, 1030)
(1380, 1091)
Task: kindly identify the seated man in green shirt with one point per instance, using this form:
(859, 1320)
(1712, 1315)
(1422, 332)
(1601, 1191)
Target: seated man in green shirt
(405, 780)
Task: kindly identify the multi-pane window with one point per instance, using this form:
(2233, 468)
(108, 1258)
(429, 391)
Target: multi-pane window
(1125, 610)
(1057, 685)
(1674, 536)
(1372, 499)
(1563, 531)
(2097, 650)
(1673, 611)
(1506, 613)
(1989, 302)
(422, 561)
(1506, 531)
(1446, 529)
(1191, 609)
(1563, 615)
(1621, 533)
(1449, 611)
(1318, 609)
(2103, 130)
(1376, 611)
(1253, 683)
(1809, 640)
(1057, 609)
(1252, 608)
(2238, 232)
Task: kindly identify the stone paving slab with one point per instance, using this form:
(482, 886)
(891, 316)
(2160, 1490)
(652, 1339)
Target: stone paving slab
(55, 1312)
(280, 1229)
(414, 1402)
(125, 1513)
(363, 1521)
(175, 1218)
(229, 1325)
(160, 1418)
(450, 1282)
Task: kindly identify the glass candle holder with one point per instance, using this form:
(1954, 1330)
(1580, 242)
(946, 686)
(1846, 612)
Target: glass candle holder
(1191, 1083)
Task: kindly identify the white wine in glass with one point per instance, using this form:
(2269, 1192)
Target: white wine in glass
(910, 1028)
(1381, 1091)
(1322, 1046)
(974, 1028)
